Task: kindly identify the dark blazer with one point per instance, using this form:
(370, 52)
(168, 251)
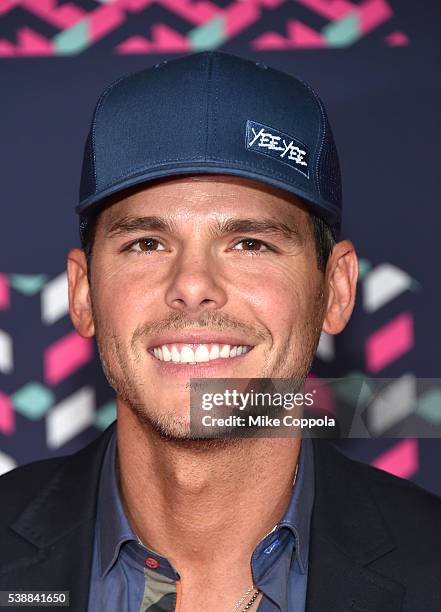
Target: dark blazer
(375, 539)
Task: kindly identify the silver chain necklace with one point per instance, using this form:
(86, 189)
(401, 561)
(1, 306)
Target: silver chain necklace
(250, 603)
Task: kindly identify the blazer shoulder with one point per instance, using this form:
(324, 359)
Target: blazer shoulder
(23, 483)
(400, 487)
(30, 471)
(402, 502)
(52, 478)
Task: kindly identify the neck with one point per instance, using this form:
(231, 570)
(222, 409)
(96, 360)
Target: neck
(185, 500)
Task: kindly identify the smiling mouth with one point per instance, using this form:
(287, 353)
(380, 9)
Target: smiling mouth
(191, 354)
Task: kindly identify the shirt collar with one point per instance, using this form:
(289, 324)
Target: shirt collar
(114, 529)
(298, 514)
(295, 521)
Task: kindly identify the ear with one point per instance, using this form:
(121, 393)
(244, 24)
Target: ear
(341, 276)
(80, 305)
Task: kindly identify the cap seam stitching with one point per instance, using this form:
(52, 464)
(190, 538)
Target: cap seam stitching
(323, 132)
(207, 107)
(94, 121)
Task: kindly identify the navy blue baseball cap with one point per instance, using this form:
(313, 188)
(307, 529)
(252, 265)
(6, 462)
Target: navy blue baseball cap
(211, 113)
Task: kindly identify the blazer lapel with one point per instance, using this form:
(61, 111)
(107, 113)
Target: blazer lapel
(348, 533)
(59, 525)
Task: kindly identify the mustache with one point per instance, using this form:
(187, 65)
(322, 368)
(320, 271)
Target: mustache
(214, 321)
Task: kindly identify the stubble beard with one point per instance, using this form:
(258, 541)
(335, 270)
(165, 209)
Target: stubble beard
(123, 378)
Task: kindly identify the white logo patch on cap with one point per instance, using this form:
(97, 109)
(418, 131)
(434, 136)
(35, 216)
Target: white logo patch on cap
(269, 141)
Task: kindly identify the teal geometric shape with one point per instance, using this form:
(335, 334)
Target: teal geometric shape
(105, 415)
(28, 284)
(73, 40)
(353, 389)
(208, 36)
(364, 265)
(344, 32)
(415, 286)
(33, 400)
(429, 406)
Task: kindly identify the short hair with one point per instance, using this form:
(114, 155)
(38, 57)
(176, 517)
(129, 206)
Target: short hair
(324, 237)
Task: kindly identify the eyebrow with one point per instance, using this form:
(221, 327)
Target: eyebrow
(129, 225)
(257, 226)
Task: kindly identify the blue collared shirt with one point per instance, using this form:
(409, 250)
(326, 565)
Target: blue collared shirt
(127, 576)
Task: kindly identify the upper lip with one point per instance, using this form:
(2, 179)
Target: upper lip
(202, 337)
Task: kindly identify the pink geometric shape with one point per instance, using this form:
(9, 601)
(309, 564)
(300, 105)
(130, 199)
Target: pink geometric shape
(397, 39)
(238, 17)
(167, 39)
(331, 9)
(7, 49)
(63, 16)
(103, 20)
(7, 5)
(401, 460)
(389, 342)
(7, 415)
(164, 39)
(272, 3)
(268, 41)
(303, 36)
(65, 356)
(197, 13)
(32, 43)
(5, 298)
(372, 13)
(134, 44)
(137, 5)
(300, 36)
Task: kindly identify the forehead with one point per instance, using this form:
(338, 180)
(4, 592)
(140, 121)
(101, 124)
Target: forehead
(199, 196)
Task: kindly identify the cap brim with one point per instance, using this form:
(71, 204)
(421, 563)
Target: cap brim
(324, 209)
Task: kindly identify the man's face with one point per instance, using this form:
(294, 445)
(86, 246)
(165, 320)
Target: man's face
(226, 259)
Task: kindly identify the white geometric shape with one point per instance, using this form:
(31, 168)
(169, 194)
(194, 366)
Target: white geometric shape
(383, 284)
(70, 417)
(7, 463)
(325, 349)
(393, 404)
(6, 359)
(54, 299)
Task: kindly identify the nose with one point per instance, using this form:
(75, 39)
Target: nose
(195, 285)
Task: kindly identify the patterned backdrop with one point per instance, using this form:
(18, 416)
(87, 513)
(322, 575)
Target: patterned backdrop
(375, 64)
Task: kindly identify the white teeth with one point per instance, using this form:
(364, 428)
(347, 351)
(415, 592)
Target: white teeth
(166, 355)
(175, 355)
(225, 351)
(202, 354)
(187, 355)
(214, 353)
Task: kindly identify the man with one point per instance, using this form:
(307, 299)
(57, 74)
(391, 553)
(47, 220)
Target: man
(209, 210)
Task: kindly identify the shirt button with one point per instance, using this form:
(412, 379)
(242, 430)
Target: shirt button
(151, 562)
